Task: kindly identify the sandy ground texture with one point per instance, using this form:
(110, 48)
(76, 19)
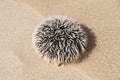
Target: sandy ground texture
(18, 60)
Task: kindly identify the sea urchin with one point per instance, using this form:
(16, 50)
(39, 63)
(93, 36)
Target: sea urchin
(60, 40)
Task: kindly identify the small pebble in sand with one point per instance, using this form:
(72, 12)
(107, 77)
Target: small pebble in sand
(60, 40)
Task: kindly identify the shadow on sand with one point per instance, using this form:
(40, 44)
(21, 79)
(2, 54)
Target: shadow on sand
(91, 41)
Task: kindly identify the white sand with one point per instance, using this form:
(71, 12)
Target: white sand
(18, 60)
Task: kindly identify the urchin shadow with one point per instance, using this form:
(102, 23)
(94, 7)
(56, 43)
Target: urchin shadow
(91, 41)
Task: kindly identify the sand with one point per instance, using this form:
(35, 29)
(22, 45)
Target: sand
(18, 60)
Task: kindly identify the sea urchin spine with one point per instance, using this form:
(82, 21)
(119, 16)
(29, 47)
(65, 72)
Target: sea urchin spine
(61, 40)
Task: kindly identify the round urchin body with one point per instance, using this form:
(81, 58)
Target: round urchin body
(60, 40)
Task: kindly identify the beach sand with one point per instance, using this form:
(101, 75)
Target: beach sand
(19, 61)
